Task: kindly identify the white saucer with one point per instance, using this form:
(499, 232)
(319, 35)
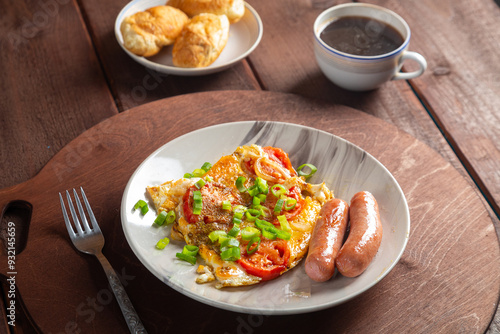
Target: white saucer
(244, 36)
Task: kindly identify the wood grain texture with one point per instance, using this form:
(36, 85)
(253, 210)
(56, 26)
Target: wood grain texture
(52, 87)
(448, 279)
(133, 84)
(461, 87)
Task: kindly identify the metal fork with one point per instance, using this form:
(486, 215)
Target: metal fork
(90, 240)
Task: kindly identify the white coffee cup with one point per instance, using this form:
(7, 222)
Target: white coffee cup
(361, 73)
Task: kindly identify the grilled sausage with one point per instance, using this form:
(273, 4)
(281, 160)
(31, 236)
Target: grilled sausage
(364, 238)
(326, 240)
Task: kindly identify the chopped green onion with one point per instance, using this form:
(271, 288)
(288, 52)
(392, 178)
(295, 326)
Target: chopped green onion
(162, 243)
(198, 172)
(200, 183)
(263, 224)
(188, 175)
(197, 195)
(240, 209)
(230, 242)
(226, 205)
(231, 254)
(141, 204)
(234, 231)
(197, 209)
(279, 206)
(240, 183)
(284, 223)
(250, 250)
(216, 235)
(264, 211)
(236, 221)
(269, 233)
(262, 185)
(290, 203)
(253, 190)
(278, 190)
(262, 197)
(190, 250)
(170, 217)
(198, 202)
(160, 219)
(255, 201)
(255, 212)
(312, 170)
(185, 257)
(249, 233)
(282, 234)
(206, 166)
(252, 214)
(208, 179)
(239, 214)
(223, 238)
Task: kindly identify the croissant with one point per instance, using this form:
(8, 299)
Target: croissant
(233, 9)
(145, 33)
(201, 41)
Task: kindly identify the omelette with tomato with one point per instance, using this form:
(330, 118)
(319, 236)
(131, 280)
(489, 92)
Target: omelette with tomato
(250, 214)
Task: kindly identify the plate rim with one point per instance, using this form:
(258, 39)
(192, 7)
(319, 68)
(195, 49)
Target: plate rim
(245, 309)
(173, 70)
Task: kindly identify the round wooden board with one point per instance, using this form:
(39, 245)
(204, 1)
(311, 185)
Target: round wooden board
(448, 279)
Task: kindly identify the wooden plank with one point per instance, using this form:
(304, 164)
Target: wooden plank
(132, 83)
(52, 87)
(445, 281)
(461, 88)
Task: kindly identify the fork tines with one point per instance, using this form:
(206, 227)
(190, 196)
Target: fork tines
(86, 226)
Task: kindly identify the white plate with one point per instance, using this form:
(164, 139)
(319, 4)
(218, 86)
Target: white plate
(244, 36)
(345, 168)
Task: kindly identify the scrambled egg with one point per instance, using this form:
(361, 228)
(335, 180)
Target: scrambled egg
(250, 162)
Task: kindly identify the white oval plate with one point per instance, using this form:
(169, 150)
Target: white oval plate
(344, 167)
(244, 36)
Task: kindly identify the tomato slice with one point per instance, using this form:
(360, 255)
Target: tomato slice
(295, 193)
(187, 206)
(269, 261)
(278, 155)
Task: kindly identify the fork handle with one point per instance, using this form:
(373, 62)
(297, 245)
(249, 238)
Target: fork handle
(133, 322)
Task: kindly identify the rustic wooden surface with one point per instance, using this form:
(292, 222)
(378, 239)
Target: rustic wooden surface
(445, 279)
(52, 86)
(63, 72)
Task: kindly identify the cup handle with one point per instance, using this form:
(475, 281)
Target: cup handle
(411, 75)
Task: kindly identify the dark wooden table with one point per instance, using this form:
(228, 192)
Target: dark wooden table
(64, 73)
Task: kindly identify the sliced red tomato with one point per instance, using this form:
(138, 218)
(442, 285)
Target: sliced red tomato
(278, 155)
(293, 192)
(187, 206)
(269, 261)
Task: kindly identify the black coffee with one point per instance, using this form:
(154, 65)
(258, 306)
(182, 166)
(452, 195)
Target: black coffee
(361, 36)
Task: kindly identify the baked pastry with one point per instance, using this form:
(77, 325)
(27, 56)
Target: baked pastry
(233, 9)
(145, 33)
(201, 41)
